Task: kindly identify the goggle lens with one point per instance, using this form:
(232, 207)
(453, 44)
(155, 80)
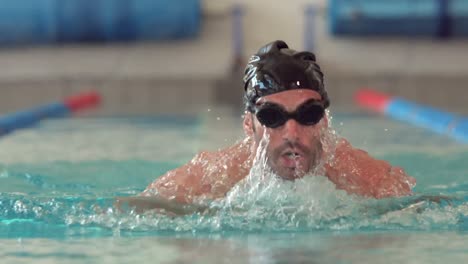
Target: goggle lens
(273, 116)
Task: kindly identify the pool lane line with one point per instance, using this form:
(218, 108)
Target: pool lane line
(431, 118)
(28, 117)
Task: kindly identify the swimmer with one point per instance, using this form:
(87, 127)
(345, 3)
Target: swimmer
(285, 101)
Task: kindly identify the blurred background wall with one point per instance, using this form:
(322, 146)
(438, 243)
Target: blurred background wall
(200, 71)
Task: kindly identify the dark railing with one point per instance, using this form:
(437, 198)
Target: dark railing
(52, 21)
(438, 18)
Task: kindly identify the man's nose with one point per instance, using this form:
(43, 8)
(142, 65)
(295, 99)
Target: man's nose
(291, 130)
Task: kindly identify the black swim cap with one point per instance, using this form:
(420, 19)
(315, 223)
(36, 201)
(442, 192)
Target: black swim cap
(276, 68)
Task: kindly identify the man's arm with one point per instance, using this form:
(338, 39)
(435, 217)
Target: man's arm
(141, 204)
(174, 192)
(356, 172)
(185, 183)
(208, 176)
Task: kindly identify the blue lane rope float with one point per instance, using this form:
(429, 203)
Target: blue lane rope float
(29, 117)
(436, 120)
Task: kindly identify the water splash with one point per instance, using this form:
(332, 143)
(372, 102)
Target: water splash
(260, 203)
(264, 195)
(333, 211)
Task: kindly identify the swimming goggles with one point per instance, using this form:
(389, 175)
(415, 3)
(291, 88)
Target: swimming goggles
(273, 115)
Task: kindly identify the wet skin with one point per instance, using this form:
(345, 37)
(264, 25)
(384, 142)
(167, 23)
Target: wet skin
(292, 151)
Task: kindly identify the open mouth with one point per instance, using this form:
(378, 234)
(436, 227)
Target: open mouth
(292, 155)
(291, 159)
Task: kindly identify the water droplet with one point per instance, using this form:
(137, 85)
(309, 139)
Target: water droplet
(218, 118)
(209, 110)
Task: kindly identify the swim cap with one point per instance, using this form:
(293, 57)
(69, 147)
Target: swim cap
(276, 68)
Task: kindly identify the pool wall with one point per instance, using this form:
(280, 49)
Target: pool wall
(193, 76)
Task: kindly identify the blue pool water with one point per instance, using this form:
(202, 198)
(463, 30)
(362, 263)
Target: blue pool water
(58, 182)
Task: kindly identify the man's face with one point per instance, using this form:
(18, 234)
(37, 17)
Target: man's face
(292, 149)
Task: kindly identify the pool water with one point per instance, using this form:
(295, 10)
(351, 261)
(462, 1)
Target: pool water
(58, 181)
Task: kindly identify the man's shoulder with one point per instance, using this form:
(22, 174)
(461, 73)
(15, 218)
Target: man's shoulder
(209, 173)
(204, 156)
(239, 151)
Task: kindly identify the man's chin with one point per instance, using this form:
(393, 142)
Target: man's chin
(290, 174)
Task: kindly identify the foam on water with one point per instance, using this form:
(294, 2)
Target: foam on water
(256, 205)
